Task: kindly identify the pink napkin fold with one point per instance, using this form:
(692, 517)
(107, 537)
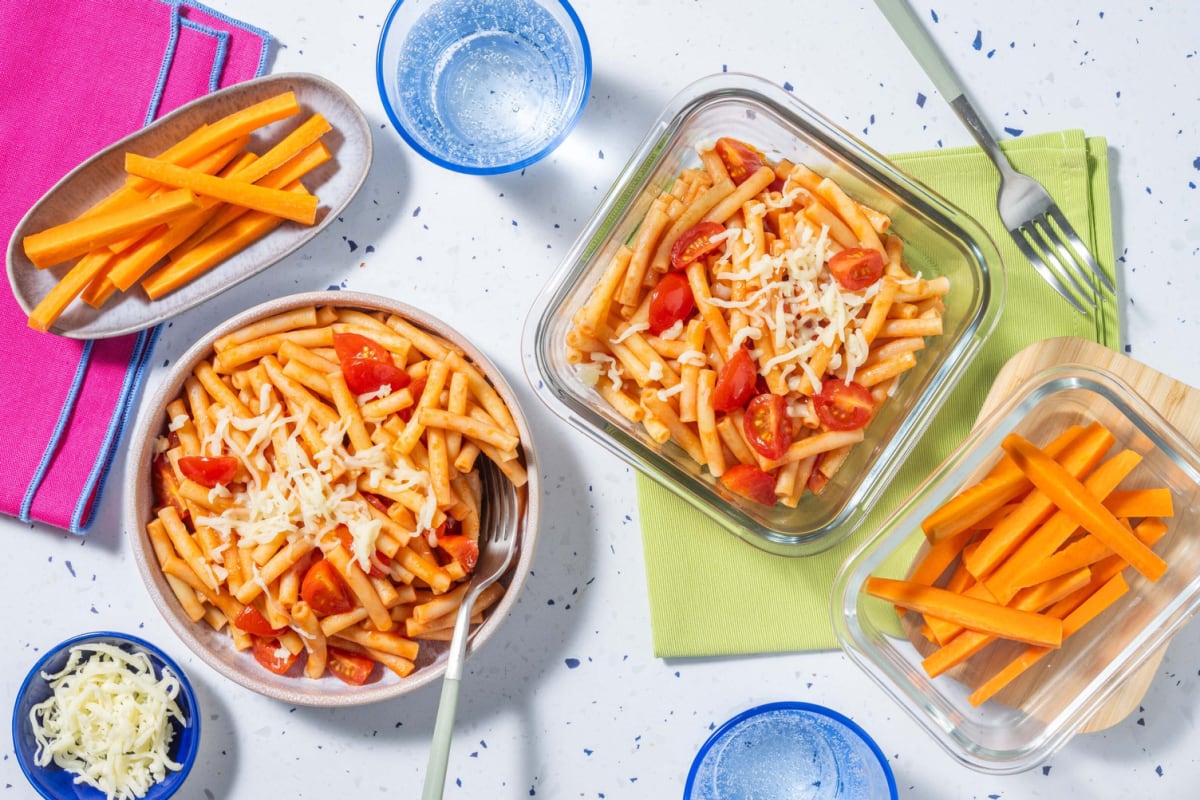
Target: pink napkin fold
(75, 76)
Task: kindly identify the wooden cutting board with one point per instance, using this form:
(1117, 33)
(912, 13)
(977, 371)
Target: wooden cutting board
(1176, 401)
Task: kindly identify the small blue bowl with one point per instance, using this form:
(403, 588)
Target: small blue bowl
(790, 750)
(483, 87)
(54, 783)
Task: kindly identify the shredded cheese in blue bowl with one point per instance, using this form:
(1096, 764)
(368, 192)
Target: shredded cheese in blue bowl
(106, 715)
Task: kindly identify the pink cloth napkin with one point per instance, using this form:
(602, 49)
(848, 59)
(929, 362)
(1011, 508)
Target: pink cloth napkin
(75, 76)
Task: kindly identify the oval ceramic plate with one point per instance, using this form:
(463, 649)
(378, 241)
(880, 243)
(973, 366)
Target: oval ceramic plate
(335, 183)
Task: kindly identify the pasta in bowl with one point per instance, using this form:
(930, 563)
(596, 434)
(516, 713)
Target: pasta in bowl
(307, 498)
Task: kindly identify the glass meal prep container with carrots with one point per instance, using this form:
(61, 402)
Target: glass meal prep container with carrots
(1093, 678)
(939, 242)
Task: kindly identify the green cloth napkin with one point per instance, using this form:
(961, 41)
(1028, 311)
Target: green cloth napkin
(713, 594)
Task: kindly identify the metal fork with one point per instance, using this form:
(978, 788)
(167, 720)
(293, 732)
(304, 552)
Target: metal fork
(1036, 224)
(497, 543)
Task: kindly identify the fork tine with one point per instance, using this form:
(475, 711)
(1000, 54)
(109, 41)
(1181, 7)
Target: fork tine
(1082, 254)
(500, 505)
(1047, 274)
(1056, 255)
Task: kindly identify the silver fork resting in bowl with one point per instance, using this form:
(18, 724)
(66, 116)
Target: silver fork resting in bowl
(1036, 224)
(497, 542)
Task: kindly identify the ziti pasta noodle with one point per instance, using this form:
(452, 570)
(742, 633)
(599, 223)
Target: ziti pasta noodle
(317, 489)
(757, 319)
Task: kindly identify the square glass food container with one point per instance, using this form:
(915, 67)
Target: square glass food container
(939, 240)
(1033, 717)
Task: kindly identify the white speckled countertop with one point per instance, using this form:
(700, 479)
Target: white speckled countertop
(568, 701)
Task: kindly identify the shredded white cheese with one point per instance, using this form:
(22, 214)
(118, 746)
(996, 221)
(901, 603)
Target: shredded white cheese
(630, 330)
(667, 394)
(303, 495)
(672, 333)
(109, 721)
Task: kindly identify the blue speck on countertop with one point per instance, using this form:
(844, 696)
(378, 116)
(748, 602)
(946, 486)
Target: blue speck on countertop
(933, 15)
(70, 568)
(787, 87)
(572, 663)
(417, 211)
(978, 43)
(1014, 131)
(920, 100)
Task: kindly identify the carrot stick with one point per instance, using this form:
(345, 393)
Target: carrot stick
(51, 307)
(211, 136)
(1090, 514)
(1002, 485)
(996, 517)
(1079, 458)
(130, 268)
(1005, 580)
(938, 557)
(306, 134)
(960, 582)
(77, 237)
(210, 164)
(1088, 551)
(980, 615)
(1138, 503)
(240, 234)
(1100, 600)
(1033, 598)
(304, 162)
(289, 205)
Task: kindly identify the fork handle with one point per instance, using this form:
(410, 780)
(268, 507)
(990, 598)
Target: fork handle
(925, 50)
(439, 751)
(443, 726)
(922, 46)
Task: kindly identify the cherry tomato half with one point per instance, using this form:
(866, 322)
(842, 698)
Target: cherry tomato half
(671, 300)
(843, 406)
(856, 267)
(366, 364)
(208, 470)
(364, 375)
(353, 668)
(462, 549)
(324, 590)
(272, 655)
(740, 160)
(767, 426)
(251, 620)
(695, 243)
(166, 484)
(355, 345)
(750, 482)
(735, 382)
